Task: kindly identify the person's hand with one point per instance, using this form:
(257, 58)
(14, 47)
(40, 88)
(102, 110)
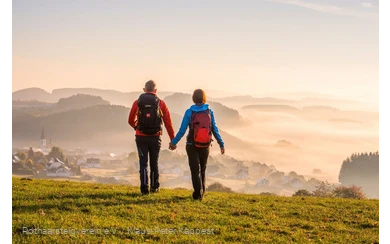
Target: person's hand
(222, 150)
(171, 146)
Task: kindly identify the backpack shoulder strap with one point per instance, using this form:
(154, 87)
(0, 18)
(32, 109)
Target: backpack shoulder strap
(209, 114)
(157, 99)
(141, 99)
(194, 113)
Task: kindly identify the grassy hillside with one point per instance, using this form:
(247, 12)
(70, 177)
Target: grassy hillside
(226, 217)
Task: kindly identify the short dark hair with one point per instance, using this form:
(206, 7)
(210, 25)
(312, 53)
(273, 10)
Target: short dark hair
(150, 85)
(199, 96)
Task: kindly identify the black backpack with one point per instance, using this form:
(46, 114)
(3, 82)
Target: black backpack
(149, 115)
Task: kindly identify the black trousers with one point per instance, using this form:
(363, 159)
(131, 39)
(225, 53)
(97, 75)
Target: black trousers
(197, 159)
(148, 148)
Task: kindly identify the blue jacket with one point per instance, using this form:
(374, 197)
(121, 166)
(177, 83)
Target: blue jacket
(186, 123)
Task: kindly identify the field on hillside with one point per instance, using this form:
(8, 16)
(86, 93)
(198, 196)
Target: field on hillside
(72, 212)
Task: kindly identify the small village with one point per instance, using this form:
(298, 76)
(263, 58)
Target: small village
(105, 167)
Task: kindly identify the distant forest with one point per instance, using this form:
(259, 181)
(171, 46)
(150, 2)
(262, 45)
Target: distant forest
(362, 169)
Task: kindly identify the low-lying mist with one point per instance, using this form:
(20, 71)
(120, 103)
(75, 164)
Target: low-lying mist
(301, 143)
(290, 135)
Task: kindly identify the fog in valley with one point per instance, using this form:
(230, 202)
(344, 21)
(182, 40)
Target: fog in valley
(269, 141)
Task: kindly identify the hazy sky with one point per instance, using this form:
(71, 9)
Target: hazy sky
(243, 47)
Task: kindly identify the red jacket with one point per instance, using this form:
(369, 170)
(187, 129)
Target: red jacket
(165, 115)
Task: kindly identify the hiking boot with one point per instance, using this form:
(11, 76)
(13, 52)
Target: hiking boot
(145, 190)
(154, 190)
(196, 196)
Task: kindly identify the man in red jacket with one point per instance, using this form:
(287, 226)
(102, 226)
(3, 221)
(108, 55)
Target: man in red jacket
(146, 117)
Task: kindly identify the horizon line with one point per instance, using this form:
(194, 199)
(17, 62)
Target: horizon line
(314, 94)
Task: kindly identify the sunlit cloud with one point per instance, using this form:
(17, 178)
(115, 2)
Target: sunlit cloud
(331, 9)
(366, 5)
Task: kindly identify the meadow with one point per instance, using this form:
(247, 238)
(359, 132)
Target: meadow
(47, 211)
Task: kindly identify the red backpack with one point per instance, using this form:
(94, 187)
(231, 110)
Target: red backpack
(201, 128)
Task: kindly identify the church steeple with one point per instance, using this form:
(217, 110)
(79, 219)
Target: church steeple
(43, 134)
(43, 140)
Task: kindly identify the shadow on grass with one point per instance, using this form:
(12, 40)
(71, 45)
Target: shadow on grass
(72, 202)
(150, 200)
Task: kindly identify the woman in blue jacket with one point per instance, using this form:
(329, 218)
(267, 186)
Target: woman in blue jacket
(198, 115)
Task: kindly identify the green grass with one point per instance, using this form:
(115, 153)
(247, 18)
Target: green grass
(232, 217)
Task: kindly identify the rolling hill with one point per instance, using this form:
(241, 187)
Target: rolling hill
(80, 101)
(273, 108)
(33, 93)
(245, 100)
(100, 126)
(225, 116)
(103, 213)
(36, 108)
(28, 104)
(126, 98)
(114, 97)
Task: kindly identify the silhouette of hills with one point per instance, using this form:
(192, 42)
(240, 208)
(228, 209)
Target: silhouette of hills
(114, 97)
(255, 100)
(93, 126)
(180, 102)
(273, 108)
(127, 98)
